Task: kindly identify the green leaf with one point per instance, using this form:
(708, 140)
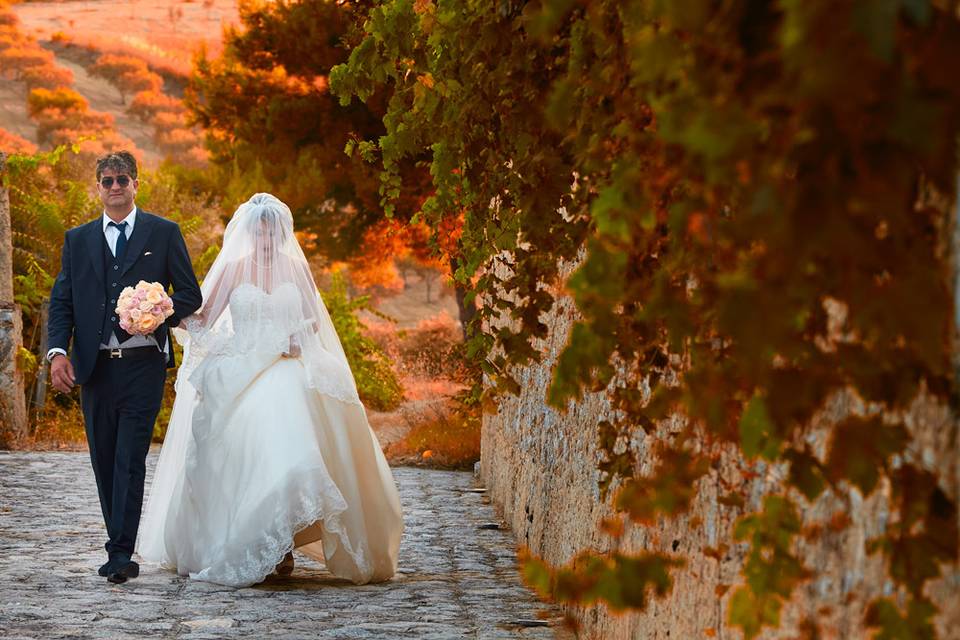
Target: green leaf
(861, 448)
(751, 613)
(806, 474)
(876, 21)
(919, 10)
(917, 624)
(757, 433)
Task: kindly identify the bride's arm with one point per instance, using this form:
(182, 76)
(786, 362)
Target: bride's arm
(215, 300)
(307, 320)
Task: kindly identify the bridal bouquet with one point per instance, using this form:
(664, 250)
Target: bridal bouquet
(143, 308)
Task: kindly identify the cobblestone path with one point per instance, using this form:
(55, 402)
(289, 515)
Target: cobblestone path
(455, 579)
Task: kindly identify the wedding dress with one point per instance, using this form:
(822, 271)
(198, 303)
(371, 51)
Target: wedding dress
(268, 446)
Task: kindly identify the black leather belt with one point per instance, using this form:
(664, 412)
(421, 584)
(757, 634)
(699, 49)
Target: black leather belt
(130, 352)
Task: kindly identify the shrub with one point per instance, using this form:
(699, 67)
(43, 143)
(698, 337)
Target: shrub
(445, 436)
(66, 126)
(148, 104)
(127, 73)
(135, 81)
(94, 131)
(176, 140)
(103, 142)
(47, 77)
(11, 143)
(377, 383)
(194, 157)
(167, 121)
(18, 59)
(9, 40)
(8, 17)
(432, 348)
(63, 99)
(112, 66)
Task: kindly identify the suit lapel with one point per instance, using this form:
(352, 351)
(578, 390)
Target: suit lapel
(96, 243)
(138, 239)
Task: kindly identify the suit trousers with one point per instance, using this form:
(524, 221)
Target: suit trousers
(120, 404)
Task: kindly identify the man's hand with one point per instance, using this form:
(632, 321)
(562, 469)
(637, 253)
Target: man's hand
(61, 373)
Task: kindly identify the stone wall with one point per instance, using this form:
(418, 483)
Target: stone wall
(539, 466)
(13, 414)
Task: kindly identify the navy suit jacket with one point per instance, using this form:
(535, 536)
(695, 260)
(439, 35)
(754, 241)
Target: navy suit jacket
(155, 252)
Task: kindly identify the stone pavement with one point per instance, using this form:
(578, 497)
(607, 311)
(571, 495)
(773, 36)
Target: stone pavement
(455, 579)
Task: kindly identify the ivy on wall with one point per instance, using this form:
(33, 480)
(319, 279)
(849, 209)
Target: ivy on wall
(759, 188)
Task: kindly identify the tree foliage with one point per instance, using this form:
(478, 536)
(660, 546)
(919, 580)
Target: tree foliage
(270, 120)
(266, 110)
(129, 74)
(754, 195)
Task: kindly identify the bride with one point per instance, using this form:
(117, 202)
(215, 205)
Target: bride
(268, 447)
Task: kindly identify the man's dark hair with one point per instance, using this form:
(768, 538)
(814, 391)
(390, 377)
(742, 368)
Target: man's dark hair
(119, 161)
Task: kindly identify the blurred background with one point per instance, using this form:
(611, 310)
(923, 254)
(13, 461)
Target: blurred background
(212, 120)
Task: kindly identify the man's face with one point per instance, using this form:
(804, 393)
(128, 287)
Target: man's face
(116, 196)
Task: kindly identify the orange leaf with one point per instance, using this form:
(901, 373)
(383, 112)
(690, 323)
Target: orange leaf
(612, 526)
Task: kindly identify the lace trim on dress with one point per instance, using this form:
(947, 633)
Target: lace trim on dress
(256, 562)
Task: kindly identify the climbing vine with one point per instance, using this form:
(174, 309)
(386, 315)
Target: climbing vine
(754, 195)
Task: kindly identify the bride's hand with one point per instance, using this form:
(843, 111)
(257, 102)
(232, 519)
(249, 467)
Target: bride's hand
(293, 351)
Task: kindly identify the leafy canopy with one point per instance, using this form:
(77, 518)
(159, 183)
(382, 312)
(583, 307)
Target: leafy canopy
(753, 195)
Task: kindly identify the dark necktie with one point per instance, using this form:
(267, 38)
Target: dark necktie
(121, 240)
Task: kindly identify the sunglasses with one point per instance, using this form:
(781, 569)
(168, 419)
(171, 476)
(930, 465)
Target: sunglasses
(107, 181)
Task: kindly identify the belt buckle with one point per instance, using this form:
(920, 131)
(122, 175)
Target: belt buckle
(116, 353)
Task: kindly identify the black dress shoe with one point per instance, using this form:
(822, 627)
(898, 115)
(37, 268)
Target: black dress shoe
(104, 571)
(123, 571)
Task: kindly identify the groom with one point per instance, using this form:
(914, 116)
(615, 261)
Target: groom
(121, 376)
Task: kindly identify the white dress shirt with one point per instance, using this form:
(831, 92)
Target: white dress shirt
(112, 234)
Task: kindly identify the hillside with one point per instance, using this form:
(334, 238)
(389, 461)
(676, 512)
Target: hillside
(166, 34)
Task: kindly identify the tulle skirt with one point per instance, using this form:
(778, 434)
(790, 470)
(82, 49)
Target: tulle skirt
(256, 463)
